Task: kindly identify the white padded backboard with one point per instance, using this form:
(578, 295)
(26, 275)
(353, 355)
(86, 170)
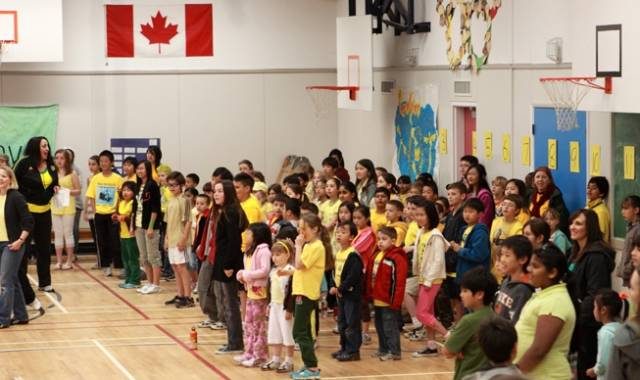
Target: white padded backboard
(608, 50)
(354, 45)
(8, 26)
(36, 28)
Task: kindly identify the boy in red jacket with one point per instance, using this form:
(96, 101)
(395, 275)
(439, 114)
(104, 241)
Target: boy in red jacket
(385, 281)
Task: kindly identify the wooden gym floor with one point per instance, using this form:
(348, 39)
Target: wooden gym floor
(99, 331)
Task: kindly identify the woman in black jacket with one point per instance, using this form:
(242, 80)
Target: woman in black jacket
(38, 181)
(223, 241)
(15, 225)
(590, 266)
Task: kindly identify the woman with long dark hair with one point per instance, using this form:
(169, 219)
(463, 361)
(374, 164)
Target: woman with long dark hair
(38, 181)
(154, 155)
(590, 265)
(221, 246)
(146, 221)
(365, 181)
(341, 172)
(476, 178)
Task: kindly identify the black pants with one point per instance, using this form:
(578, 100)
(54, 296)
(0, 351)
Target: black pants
(41, 238)
(587, 347)
(350, 325)
(232, 315)
(27, 290)
(108, 241)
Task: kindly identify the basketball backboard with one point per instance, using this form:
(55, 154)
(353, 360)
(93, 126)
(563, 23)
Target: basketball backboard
(8, 26)
(609, 50)
(354, 45)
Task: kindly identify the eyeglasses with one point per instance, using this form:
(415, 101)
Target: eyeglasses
(173, 185)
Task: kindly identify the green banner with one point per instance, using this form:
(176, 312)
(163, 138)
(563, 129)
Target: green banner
(19, 124)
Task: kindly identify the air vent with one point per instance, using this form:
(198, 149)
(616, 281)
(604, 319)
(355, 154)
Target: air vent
(462, 88)
(387, 86)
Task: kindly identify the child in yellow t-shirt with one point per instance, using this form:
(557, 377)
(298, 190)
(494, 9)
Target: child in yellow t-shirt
(378, 213)
(128, 246)
(393, 213)
(503, 227)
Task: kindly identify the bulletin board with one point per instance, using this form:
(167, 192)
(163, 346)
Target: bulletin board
(626, 158)
(136, 147)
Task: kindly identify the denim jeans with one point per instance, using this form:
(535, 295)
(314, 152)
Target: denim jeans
(386, 321)
(210, 301)
(350, 324)
(11, 297)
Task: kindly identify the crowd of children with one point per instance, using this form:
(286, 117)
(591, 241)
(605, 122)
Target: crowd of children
(497, 277)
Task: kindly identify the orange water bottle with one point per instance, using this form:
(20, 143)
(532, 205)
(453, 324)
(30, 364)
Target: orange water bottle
(193, 337)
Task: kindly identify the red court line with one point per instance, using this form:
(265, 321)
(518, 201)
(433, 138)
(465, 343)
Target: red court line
(142, 313)
(193, 352)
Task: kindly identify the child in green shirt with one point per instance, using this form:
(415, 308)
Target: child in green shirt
(478, 287)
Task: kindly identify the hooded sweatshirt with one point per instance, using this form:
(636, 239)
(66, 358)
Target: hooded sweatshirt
(475, 252)
(590, 273)
(624, 362)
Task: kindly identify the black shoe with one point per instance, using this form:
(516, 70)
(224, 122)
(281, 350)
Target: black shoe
(19, 322)
(185, 302)
(172, 301)
(336, 354)
(344, 357)
(5, 325)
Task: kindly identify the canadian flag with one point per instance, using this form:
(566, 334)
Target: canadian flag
(159, 31)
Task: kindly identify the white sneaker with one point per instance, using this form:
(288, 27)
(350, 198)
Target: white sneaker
(143, 289)
(153, 289)
(35, 305)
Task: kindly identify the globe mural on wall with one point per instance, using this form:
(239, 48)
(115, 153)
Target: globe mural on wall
(416, 133)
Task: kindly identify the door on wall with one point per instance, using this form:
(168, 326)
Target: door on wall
(570, 173)
(465, 126)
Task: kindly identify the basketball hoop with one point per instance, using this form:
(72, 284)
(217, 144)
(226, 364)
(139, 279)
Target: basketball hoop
(322, 97)
(566, 94)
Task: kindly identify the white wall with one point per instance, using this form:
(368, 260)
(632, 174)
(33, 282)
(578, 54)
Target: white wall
(248, 101)
(248, 34)
(600, 12)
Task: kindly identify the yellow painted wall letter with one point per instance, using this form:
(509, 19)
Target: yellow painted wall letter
(595, 159)
(552, 152)
(574, 156)
(630, 162)
(442, 140)
(506, 148)
(488, 145)
(525, 155)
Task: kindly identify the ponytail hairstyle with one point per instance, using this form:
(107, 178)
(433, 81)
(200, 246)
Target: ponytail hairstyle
(617, 307)
(314, 221)
(261, 235)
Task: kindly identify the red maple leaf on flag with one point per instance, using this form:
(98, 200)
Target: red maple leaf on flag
(160, 33)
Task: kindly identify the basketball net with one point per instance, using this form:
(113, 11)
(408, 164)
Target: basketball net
(322, 100)
(566, 96)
